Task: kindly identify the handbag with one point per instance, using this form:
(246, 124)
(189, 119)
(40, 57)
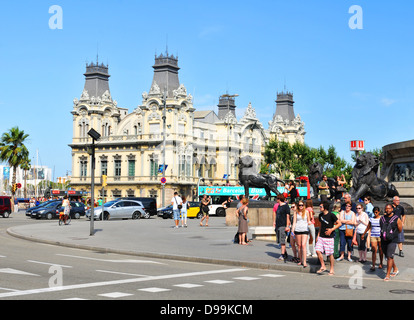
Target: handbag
(349, 232)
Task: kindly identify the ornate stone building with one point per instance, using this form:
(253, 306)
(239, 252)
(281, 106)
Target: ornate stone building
(198, 144)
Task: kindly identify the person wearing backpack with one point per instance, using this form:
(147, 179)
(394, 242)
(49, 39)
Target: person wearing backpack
(391, 226)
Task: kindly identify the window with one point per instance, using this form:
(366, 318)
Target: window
(104, 167)
(83, 168)
(131, 168)
(117, 168)
(154, 128)
(153, 167)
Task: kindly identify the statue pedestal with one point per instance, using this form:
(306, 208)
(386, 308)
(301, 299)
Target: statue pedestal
(260, 217)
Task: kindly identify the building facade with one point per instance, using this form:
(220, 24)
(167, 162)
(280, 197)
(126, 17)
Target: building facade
(167, 129)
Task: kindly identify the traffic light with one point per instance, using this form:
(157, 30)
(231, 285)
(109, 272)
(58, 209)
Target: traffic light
(104, 180)
(14, 188)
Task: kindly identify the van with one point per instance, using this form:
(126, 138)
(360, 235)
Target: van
(150, 204)
(5, 206)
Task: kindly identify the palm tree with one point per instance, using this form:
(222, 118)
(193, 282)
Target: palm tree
(26, 166)
(13, 151)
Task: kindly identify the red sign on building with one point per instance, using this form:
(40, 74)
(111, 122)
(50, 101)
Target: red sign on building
(358, 145)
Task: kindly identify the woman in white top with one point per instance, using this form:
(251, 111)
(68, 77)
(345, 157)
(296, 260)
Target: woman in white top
(184, 212)
(300, 227)
(66, 207)
(362, 222)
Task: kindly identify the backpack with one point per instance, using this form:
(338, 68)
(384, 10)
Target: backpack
(387, 233)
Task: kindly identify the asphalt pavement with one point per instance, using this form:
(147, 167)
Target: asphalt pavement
(157, 238)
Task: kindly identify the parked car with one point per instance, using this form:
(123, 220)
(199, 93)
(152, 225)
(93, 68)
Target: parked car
(29, 210)
(150, 204)
(192, 212)
(5, 206)
(120, 209)
(52, 210)
(165, 212)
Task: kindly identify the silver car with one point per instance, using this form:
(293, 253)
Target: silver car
(120, 209)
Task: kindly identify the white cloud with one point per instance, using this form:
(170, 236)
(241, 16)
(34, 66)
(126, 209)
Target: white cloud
(388, 102)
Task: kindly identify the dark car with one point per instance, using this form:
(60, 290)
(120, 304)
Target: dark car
(29, 210)
(150, 204)
(51, 210)
(5, 206)
(166, 212)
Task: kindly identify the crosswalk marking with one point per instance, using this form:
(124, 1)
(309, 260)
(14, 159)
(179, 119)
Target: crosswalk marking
(154, 290)
(246, 278)
(117, 282)
(115, 295)
(188, 285)
(219, 281)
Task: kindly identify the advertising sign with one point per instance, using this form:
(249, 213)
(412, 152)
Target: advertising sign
(357, 145)
(235, 191)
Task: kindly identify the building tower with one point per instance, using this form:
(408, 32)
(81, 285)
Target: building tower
(166, 74)
(284, 106)
(285, 126)
(226, 105)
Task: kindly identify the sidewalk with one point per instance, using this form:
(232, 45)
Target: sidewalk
(156, 238)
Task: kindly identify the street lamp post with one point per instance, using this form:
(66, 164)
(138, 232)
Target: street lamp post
(228, 125)
(164, 133)
(95, 136)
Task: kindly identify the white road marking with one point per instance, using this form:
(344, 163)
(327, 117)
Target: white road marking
(246, 278)
(188, 285)
(123, 273)
(219, 281)
(6, 289)
(109, 260)
(49, 264)
(271, 275)
(115, 282)
(115, 295)
(154, 290)
(14, 271)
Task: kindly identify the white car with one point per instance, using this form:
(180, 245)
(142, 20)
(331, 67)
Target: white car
(120, 209)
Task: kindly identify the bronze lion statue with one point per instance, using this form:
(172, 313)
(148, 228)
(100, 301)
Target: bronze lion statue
(365, 181)
(249, 178)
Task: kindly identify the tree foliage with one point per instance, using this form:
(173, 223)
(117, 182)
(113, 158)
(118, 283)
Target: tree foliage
(287, 160)
(12, 149)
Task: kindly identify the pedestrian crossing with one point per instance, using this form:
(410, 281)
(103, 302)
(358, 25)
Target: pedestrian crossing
(143, 286)
(155, 290)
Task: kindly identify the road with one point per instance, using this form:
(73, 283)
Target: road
(34, 271)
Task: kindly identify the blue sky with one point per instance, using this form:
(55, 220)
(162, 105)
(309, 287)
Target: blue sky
(347, 84)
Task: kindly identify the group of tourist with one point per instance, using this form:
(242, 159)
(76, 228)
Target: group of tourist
(341, 228)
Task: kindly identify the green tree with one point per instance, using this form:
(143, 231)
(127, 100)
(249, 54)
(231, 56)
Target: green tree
(26, 166)
(287, 159)
(333, 165)
(13, 151)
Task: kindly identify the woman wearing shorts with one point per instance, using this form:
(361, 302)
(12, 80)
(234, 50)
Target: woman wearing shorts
(300, 228)
(374, 227)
